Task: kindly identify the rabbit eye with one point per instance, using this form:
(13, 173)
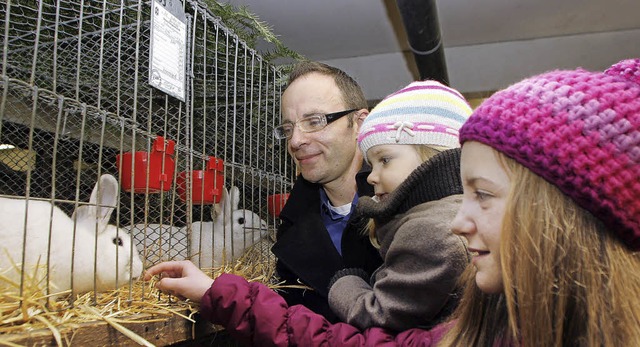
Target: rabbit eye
(241, 220)
(117, 241)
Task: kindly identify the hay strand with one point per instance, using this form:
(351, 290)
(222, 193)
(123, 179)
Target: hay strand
(54, 331)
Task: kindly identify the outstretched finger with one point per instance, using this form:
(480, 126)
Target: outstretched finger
(168, 285)
(167, 269)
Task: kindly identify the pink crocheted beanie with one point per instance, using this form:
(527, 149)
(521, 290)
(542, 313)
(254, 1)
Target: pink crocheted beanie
(580, 131)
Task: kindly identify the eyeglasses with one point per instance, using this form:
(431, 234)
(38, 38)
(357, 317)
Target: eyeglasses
(308, 124)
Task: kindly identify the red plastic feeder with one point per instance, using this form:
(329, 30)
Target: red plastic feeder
(212, 179)
(133, 173)
(275, 203)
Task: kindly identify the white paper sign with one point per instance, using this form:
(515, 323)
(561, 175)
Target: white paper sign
(168, 52)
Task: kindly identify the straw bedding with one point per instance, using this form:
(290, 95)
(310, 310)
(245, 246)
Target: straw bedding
(138, 303)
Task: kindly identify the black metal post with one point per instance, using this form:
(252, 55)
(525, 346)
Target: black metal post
(420, 19)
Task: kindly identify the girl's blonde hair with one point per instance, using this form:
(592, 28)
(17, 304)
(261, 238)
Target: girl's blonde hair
(567, 280)
(425, 152)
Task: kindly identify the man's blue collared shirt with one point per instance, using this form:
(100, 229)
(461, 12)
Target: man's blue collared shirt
(333, 221)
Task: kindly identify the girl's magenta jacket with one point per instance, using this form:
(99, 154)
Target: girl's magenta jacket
(256, 315)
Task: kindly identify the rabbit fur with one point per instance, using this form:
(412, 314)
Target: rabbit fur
(116, 262)
(225, 238)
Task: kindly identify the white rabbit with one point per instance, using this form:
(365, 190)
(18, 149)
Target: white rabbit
(231, 232)
(115, 262)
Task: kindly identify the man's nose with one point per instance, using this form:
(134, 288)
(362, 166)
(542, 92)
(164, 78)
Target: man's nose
(298, 137)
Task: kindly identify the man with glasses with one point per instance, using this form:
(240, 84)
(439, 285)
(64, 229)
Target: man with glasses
(322, 110)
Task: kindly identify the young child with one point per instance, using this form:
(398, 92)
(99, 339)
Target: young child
(410, 139)
(550, 171)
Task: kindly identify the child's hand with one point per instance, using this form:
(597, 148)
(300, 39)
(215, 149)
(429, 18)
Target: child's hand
(180, 278)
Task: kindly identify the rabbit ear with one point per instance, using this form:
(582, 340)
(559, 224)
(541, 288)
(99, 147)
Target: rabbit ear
(215, 211)
(235, 197)
(104, 198)
(225, 202)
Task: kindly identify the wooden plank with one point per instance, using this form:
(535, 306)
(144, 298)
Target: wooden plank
(174, 330)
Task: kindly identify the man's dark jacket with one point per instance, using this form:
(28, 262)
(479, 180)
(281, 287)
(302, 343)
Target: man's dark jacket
(306, 255)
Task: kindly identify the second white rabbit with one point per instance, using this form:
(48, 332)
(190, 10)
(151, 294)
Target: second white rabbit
(226, 238)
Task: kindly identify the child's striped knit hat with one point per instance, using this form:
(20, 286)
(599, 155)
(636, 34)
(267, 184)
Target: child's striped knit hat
(423, 113)
(580, 131)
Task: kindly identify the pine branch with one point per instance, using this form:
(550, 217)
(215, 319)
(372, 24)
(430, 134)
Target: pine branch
(250, 28)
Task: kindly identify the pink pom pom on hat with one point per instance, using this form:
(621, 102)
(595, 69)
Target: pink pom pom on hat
(580, 131)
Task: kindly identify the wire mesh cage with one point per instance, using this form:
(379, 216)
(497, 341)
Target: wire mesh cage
(194, 173)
